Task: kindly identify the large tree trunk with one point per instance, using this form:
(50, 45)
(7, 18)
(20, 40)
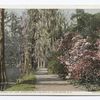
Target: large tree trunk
(2, 65)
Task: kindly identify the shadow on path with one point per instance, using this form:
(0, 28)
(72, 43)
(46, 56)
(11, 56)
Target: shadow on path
(51, 82)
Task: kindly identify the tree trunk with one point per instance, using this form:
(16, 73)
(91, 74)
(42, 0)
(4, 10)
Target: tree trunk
(38, 63)
(2, 65)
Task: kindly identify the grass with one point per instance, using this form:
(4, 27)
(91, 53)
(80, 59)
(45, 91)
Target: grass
(27, 83)
(21, 87)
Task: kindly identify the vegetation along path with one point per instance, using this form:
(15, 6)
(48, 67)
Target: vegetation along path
(51, 82)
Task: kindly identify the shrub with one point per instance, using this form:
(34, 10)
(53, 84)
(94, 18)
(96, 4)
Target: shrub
(87, 71)
(52, 66)
(56, 67)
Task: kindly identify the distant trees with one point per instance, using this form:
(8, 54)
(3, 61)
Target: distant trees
(26, 63)
(2, 62)
(12, 39)
(31, 37)
(17, 42)
(45, 26)
(86, 24)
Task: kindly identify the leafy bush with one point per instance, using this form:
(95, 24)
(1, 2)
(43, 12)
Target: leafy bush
(56, 67)
(51, 66)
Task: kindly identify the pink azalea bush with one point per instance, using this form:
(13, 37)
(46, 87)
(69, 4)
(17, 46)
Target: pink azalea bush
(81, 58)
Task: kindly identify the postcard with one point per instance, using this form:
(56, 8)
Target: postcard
(49, 51)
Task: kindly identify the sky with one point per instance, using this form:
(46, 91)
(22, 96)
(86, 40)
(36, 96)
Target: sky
(20, 11)
(68, 12)
(92, 10)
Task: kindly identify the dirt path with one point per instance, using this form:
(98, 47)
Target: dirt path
(47, 82)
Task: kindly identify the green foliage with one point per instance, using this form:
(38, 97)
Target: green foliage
(27, 83)
(55, 66)
(12, 39)
(87, 86)
(45, 27)
(28, 78)
(22, 87)
(87, 24)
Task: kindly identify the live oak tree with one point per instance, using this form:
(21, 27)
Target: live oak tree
(2, 65)
(31, 38)
(45, 26)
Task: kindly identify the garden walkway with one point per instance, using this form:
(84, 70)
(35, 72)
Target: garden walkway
(51, 82)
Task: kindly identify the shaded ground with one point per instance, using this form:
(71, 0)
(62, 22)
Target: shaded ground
(49, 82)
(27, 83)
